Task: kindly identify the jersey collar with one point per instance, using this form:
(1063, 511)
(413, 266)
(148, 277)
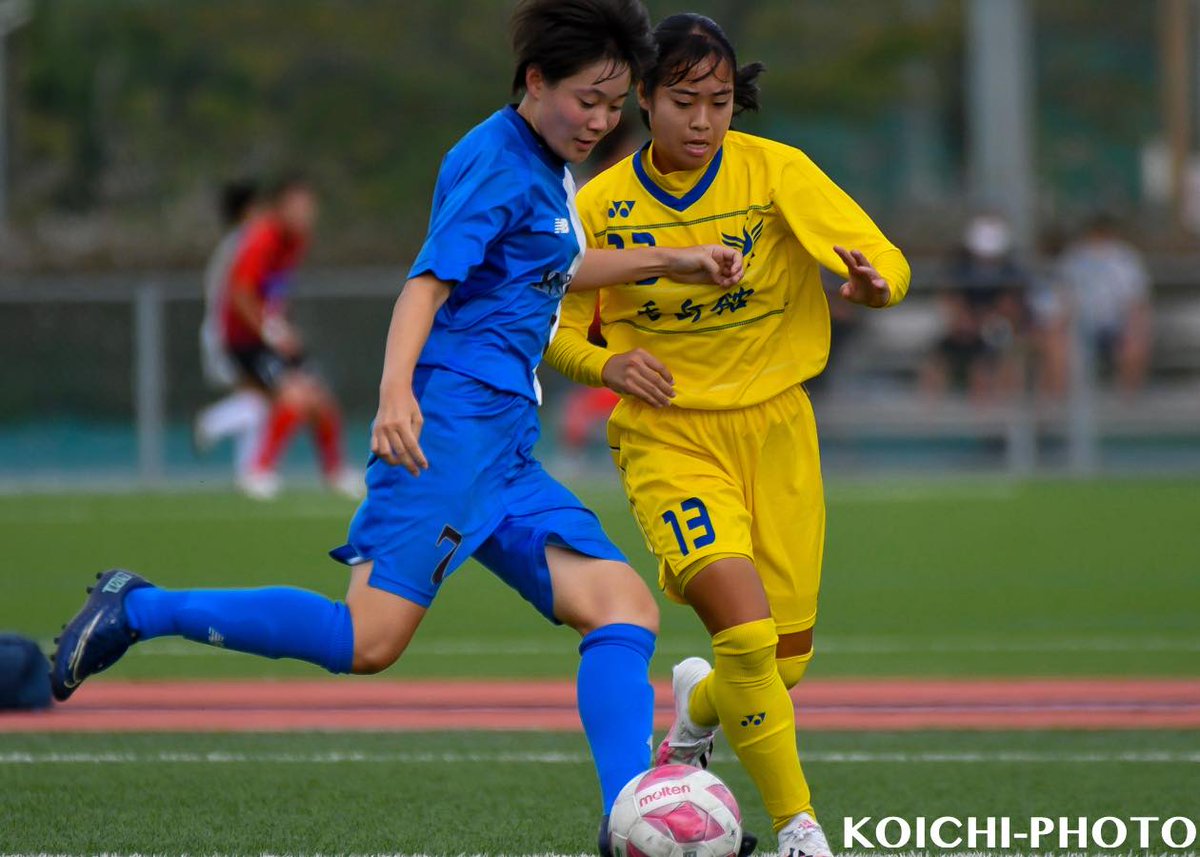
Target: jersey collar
(676, 203)
(532, 140)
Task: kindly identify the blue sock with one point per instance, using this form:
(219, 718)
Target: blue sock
(275, 622)
(616, 703)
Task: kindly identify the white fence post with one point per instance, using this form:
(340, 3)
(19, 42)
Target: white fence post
(149, 374)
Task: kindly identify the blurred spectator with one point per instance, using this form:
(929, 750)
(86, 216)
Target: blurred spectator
(1109, 285)
(269, 350)
(1049, 306)
(986, 316)
(242, 412)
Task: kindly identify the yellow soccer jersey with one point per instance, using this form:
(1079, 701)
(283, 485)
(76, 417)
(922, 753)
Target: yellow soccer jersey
(735, 348)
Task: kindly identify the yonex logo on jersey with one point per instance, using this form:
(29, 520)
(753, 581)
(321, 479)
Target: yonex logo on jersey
(754, 719)
(562, 226)
(117, 582)
(621, 208)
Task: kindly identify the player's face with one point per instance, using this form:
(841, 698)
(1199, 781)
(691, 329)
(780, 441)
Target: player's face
(574, 114)
(298, 210)
(689, 120)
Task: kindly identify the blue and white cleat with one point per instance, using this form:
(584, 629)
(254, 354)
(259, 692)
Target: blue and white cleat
(98, 635)
(603, 839)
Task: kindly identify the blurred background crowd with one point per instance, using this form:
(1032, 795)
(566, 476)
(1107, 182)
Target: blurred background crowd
(1035, 159)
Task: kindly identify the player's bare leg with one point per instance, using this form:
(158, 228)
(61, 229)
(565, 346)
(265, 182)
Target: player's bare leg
(384, 623)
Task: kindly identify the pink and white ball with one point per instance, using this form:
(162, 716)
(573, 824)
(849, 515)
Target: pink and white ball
(675, 811)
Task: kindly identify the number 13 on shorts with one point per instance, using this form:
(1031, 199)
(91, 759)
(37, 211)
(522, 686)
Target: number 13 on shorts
(692, 517)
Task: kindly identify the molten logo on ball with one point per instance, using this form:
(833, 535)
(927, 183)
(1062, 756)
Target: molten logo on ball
(675, 811)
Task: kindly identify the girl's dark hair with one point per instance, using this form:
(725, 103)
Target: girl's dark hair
(561, 37)
(235, 201)
(687, 41)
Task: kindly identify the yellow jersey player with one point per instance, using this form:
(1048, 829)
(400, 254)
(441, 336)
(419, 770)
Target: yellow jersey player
(714, 437)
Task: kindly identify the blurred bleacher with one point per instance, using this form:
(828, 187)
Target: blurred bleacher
(101, 376)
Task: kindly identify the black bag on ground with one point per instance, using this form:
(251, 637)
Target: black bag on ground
(24, 674)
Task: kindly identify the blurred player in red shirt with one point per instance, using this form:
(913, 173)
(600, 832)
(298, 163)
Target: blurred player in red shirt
(269, 351)
(242, 412)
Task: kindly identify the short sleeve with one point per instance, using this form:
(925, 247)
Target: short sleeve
(473, 206)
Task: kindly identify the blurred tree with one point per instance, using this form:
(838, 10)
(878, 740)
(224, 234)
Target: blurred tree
(129, 112)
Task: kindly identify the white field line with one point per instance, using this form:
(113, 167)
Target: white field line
(831, 645)
(218, 757)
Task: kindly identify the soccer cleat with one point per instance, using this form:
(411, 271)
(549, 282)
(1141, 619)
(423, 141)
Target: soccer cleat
(98, 635)
(259, 484)
(803, 837)
(348, 483)
(603, 840)
(687, 743)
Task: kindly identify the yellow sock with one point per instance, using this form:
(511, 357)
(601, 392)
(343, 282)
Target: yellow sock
(749, 699)
(792, 669)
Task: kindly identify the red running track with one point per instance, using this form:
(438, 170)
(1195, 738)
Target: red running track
(375, 704)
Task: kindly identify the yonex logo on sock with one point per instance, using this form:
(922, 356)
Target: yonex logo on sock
(754, 719)
(117, 582)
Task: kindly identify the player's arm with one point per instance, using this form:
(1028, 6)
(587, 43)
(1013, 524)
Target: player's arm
(707, 263)
(840, 236)
(396, 434)
(250, 268)
(633, 373)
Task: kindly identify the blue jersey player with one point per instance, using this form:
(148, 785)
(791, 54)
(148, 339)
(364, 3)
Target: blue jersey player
(452, 473)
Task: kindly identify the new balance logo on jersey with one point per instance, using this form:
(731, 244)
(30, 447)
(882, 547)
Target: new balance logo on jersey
(216, 638)
(754, 719)
(562, 226)
(621, 208)
(117, 582)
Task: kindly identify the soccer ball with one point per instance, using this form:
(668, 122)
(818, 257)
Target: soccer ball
(675, 811)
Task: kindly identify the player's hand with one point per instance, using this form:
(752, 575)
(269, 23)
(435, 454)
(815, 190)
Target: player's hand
(640, 374)
(396, 436)
(282, 337)
(866, 286)
(707, 263)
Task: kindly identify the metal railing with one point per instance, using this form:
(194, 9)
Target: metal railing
(1012, 436)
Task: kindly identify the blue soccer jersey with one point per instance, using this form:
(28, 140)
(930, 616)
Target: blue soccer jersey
(505, 233)
(504, 230)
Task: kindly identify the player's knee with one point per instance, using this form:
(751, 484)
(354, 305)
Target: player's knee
(792, 669)
(375, 657)
(746, 652)
(623, 600)
(375, 648)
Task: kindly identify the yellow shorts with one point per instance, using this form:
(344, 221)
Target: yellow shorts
(744, 482)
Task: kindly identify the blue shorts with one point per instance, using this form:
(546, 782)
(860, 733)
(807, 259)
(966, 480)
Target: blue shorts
(484, 495)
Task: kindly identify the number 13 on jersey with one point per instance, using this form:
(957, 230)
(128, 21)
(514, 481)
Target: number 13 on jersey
(699, 520)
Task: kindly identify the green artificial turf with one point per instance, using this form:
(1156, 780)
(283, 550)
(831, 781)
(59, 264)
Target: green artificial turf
(931, 579)
(519, 793)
